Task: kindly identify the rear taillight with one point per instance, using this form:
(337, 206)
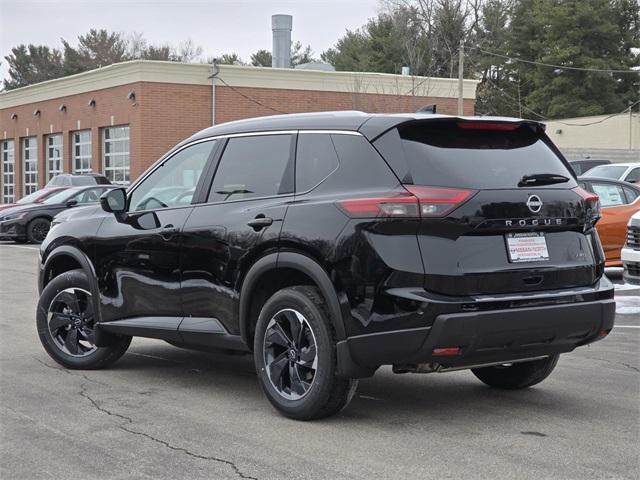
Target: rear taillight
(399, 205)
(591, 204)
(414, 202)
(439, 201)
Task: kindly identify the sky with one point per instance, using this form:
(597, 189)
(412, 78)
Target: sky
(218, 26)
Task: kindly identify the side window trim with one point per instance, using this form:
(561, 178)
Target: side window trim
(163, 161)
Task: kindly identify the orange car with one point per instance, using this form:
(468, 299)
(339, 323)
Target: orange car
(619, 200)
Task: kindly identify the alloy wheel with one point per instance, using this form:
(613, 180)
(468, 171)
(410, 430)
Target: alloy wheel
(70, 320)
(290, 354)
(40, 230)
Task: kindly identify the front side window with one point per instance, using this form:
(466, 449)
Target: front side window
(633, 176)
(316, 159)
(81, 151)
(115, 154)
(54, 155)
(30, 164)
(8, 171)
(174, 182)
(253, 167)
(610, 195)
(90, 195)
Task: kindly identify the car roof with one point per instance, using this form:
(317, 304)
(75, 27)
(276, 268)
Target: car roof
(371, 125)
(586, 178)
(624, 164)
(79, 188)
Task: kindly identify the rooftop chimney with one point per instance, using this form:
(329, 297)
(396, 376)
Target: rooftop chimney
(281, 52)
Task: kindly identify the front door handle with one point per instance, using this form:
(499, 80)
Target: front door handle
(168, 231)
(260, 222)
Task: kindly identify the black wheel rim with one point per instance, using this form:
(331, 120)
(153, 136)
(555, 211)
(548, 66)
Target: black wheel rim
(290, 354)
(71, 322)
(40, 230)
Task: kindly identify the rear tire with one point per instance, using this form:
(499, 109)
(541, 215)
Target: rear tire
(295, 356)
(37, 230)
(517, 375)
(66, 323)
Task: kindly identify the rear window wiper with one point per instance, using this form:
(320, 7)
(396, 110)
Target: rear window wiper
(541, 179)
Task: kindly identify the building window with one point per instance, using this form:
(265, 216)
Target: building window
(30, 164)
(115, 154)
(8, 172)
(81, 151)
(54, 155)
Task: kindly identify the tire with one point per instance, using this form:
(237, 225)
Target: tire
(57, 318)
(301, 391)
(37, 230)
(517, 375)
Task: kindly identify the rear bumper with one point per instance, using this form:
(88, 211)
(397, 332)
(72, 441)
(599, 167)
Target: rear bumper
(488, 336)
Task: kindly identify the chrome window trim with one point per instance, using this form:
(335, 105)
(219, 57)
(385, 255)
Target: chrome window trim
(173, 152)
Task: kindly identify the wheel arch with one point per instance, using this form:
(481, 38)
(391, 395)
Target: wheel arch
(65, 258)
(279, 270)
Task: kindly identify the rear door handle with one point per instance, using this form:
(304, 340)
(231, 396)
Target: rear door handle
(260, 222)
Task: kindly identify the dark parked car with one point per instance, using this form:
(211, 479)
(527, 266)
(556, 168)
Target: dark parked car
(36, 197)
(78, 180)
(581, 166)
(30, 223)
(331, 244)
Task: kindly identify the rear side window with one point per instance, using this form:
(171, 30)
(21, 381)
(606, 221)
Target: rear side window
(610, 195)
(444, 154)
(316, 159)
(253, 167)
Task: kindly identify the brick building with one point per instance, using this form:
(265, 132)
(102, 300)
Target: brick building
(119, 119)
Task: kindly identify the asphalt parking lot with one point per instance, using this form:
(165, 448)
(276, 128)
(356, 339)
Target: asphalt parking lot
(162, 412)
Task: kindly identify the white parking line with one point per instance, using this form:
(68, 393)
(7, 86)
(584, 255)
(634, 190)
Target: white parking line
(20, 246)
(626, 326)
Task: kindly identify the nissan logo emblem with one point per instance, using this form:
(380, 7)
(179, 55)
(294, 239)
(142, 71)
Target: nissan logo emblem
(534, 203)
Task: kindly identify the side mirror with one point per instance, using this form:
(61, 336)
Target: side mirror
(114, 201)
(72, 202)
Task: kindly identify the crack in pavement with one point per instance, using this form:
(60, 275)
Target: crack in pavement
(612, 362)
(129, 421)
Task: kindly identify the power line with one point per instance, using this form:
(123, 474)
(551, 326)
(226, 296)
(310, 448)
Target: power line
(562, 67)
(216, 75)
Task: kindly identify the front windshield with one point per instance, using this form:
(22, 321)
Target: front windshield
(60, 197)
(606, 171)
(30, 198)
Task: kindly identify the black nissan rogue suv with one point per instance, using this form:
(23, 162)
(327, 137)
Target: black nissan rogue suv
(330, 244)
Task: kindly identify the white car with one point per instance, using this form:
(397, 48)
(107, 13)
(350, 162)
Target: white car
(630, 254)
(627, 172)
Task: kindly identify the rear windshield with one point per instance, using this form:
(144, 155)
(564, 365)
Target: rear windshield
(443, 154)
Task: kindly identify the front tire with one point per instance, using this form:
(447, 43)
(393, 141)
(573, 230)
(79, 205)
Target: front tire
(517, 375)
(66, 322)
(295, 356)
(37, 230)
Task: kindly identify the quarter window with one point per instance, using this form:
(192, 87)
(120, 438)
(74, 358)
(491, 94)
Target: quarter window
(8, 172)
(253, 167)
(30, 164)
(115, 154)
(54, 155)
(82, 151)
(174, 182)
(316, 159)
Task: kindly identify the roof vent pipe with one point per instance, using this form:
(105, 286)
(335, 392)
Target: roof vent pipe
(281, 52)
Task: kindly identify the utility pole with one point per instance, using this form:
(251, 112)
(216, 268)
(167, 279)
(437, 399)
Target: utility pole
(460, 73)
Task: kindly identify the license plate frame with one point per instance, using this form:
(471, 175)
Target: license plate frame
(526, 247)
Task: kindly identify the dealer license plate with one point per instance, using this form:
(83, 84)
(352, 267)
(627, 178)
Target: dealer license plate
(527, 247)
